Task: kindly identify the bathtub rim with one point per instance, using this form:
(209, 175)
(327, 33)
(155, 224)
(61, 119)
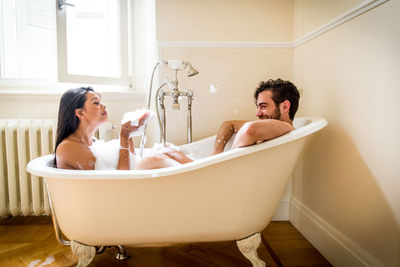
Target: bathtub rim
(38, 166)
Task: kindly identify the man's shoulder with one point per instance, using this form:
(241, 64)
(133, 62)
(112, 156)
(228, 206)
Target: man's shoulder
(271, 125)
(272, 122)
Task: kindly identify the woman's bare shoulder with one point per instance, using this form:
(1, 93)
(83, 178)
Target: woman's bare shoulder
(74, 155)
(66, 143)
(70, 147)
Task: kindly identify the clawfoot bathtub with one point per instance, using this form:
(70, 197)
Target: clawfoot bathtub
(229, 196)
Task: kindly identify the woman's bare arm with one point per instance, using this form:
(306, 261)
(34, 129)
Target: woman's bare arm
(126, 144)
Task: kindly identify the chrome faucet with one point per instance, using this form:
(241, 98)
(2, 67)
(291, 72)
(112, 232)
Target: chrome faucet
(173, 91)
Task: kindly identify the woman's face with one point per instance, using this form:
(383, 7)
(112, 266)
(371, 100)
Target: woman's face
(94, 110)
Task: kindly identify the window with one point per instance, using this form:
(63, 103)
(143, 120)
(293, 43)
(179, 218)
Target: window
(28, 40)
(85, 43)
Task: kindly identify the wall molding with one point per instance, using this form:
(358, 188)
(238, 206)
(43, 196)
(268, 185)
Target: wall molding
(338, 249)
(341, 19)
(202, 44)
(233, 44)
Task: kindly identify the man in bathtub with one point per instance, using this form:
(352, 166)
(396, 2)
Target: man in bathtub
(277, 102)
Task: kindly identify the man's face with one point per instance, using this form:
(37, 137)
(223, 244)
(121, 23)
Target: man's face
(266, 108)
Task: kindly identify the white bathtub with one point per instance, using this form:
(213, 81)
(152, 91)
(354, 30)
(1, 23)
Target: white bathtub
(229, 196)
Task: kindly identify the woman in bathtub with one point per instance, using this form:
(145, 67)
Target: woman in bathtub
(81, 112)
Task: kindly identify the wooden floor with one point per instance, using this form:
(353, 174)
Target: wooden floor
(30, 241)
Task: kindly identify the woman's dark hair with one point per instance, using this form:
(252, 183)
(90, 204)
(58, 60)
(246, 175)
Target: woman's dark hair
(68, 122)
(281, 91)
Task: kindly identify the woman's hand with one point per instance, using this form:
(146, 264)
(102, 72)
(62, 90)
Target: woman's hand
(127, 128)
(126, 143)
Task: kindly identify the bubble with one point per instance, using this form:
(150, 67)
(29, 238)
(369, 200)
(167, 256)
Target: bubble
(219, 140)
(213, 89)
(235, 111)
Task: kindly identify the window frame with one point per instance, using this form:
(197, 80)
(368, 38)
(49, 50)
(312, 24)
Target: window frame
(64, 77)
(63, 80)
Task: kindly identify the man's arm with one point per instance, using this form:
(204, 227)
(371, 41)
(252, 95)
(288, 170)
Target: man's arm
(261, 130)
(225, 133)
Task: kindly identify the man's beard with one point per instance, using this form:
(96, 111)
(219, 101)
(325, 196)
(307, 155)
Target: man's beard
(276, 115)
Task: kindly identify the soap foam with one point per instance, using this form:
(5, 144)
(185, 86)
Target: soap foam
(48, 261)
(159, 148)
(107, 155)
(134, 118)
(33, 263)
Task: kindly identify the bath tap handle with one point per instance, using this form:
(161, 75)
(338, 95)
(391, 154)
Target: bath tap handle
(61, 4)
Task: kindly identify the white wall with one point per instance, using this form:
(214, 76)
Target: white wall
(349, 175)
(224, 20)
(311, 14)
(204, 33)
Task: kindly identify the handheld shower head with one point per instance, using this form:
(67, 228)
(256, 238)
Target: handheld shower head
(192, 71)
(176, 64)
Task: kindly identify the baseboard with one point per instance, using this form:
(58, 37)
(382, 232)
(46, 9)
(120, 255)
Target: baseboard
(338, 249)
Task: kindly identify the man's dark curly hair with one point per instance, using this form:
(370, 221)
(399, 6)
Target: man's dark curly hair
(281, 91)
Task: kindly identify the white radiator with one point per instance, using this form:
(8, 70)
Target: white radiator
(20, 141)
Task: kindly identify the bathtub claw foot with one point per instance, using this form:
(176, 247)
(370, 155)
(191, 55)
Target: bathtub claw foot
(249, 246)
(84, 253)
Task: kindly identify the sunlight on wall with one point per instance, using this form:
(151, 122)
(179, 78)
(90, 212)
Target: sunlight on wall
(350, 176)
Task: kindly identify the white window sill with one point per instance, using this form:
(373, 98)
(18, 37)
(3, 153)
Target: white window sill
(50, 90)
